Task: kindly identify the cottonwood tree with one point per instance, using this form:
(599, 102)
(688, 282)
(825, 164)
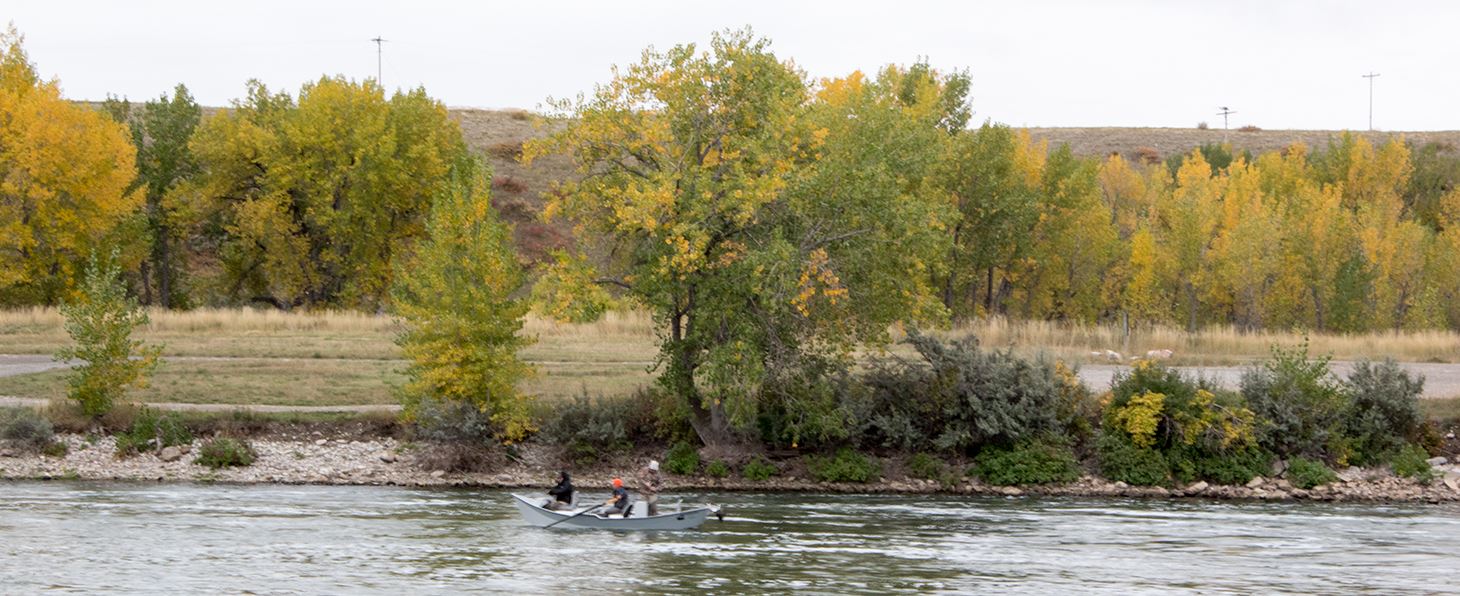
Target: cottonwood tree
(997, 206)
(764, 230)
(454, 294)
(65, 183)
(161, 130)
(100, 322)
(313, 200)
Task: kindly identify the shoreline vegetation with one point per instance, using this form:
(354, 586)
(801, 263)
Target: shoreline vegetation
(386, 461)
(1128, 442)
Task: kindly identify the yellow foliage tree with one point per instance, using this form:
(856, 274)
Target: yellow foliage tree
(66, 175)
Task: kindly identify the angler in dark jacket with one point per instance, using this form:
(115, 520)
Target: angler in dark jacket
(562, 493)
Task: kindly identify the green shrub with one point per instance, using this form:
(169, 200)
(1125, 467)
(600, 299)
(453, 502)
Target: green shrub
(925, 466)
(1384, 411)
(809, 407)
(1122, 461)
(26, 429)
(153, 430)
(682, 459)
(55, 449)
(1411, 462)
(1156, 407)
(845, 466)
(223, 452)
(717, 469)
(1031, 462)
(759, 469)
(1234, 467)
(958, 397)
(1308, 473)
(1300, 406)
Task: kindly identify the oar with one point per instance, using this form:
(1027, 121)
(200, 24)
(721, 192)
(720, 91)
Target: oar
(572, 516)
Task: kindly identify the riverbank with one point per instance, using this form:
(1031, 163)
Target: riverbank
(343, 460)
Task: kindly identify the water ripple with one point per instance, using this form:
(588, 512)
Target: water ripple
(149, 538)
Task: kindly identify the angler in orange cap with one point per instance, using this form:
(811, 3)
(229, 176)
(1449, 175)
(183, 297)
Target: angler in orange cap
(619, 502)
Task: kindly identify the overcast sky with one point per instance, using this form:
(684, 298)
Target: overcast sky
(1160, 63)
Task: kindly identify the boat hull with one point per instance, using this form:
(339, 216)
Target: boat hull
(536, 515)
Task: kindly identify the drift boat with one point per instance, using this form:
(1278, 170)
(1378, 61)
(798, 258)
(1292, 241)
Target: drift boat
(534, 513)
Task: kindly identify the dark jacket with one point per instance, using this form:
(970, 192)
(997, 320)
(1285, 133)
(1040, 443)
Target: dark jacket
(620, 499)
(563, 492)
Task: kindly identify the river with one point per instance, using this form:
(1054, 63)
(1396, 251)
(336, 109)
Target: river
(274, 539)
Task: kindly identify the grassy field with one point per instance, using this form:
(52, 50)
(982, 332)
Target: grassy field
(222, 356)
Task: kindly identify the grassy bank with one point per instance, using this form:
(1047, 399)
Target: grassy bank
(349, 358)
(629, 336)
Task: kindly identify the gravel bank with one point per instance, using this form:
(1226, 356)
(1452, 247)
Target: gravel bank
(386, 461)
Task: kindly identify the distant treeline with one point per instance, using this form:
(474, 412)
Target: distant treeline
(310, 200)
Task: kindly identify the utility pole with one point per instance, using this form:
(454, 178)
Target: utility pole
(378, 41)
(1371, 77)
(1225, 111)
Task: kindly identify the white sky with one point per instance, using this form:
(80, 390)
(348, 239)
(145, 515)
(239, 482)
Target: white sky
(1279, 64)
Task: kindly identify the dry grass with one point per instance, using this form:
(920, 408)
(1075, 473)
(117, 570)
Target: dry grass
(251, 381)
(348, 358)
(1210, 346)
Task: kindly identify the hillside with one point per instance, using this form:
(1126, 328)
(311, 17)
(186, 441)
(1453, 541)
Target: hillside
(498, 134)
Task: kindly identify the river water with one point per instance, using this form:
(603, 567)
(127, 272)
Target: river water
(182, 538)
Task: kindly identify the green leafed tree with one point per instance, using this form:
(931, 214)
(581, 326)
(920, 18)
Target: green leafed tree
(100, 322)
(310, 202)
(161, 130)
(463, 327)
(765, 232)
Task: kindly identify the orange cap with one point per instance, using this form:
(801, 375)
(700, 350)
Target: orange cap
(618, 482)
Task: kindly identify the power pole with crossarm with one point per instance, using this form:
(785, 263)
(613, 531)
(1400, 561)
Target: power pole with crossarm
(1371, 76)
(378, 41)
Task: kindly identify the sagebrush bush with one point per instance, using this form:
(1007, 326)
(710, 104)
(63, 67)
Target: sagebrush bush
(1384, 413)
(456, 457)
(717, 469)
(1307, 473)
(1122, 461)
(925, 466)
(590, 428)
(846, 466)
(759, 469)
(682, 459)
(451, 421)
(224, 452)
(958, 398)
(1029, 462)
(153, 430)
(26, 429)
(1301, 408)
(1412, 462)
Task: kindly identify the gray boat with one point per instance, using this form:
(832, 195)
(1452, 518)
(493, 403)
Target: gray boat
(534, 513)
